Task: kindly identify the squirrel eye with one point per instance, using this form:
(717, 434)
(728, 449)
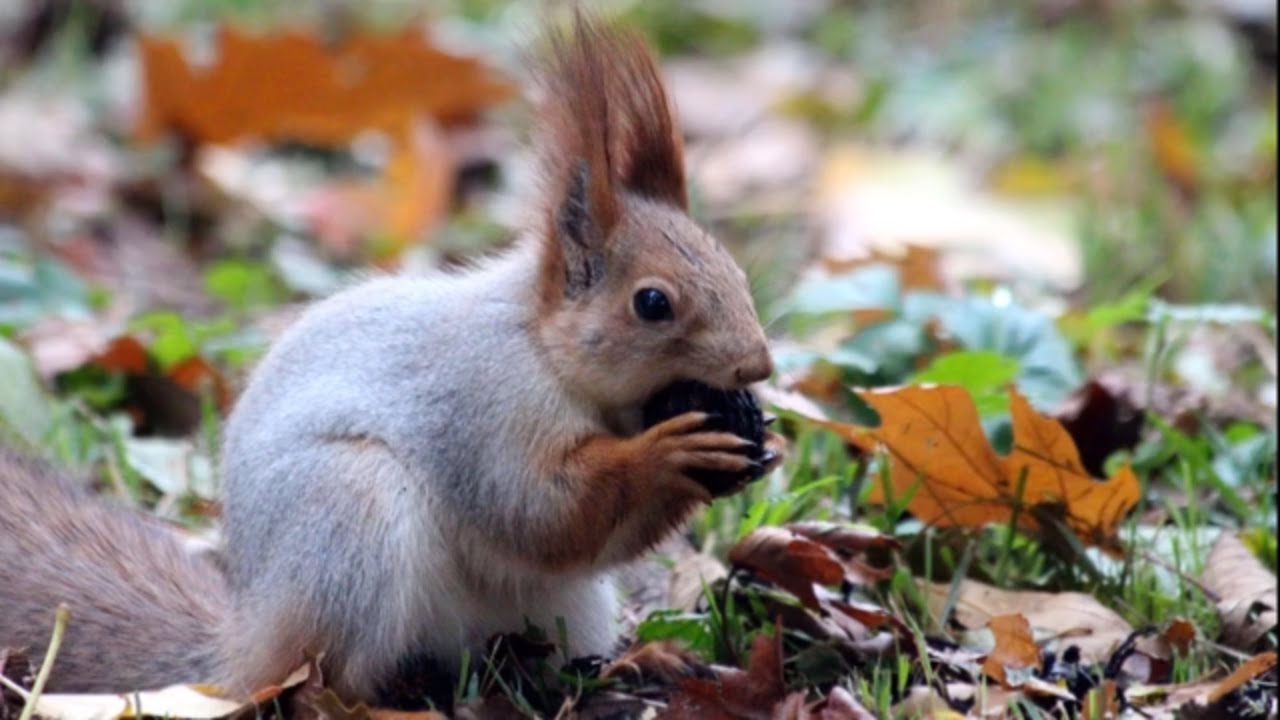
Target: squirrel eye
(651, 305)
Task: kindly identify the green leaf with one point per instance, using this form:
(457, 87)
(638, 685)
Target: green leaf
(242, 285)
(172, 466)
(693, 629)
(866, 288)
(984, 373)
(24, 407)
(1047, 369)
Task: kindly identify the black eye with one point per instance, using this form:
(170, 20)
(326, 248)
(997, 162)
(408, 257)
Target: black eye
(651, 305)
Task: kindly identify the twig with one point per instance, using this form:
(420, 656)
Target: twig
(60, 618)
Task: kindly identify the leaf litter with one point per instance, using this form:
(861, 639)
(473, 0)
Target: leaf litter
(812, 619)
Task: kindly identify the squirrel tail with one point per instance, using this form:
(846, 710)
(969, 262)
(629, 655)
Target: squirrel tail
(145, 612)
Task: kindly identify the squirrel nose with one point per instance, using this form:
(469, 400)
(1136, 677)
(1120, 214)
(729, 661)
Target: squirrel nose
(757, 367)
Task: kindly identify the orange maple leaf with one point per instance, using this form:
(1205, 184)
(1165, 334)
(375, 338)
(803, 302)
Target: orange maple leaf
(1015, 647)
(292, 85)
(940, 455)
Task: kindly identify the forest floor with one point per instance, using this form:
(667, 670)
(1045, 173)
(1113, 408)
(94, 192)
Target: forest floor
(1018, 267)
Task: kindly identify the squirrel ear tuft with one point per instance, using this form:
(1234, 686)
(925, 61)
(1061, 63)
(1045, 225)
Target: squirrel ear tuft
(651, 148)
(580, 240)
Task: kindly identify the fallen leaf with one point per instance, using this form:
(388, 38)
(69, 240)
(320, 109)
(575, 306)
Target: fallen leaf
(1054, 475)
(197, 376)
(851, 542)
(923, 701)
(186, 701)
(750, 693)
(166, 403)
(690, 575)
(124, 354)
(1015, 649)
(935, 441)
(838, 705)
(663, 660)
(1256, 666)
(872, 616)
(1247, 589)
(874, 199)
(845, 538)
(366, 81)
(1178, 635)
(789, 561)
(917, 266)
(412, 194)
(393, 83)
(1079, 618)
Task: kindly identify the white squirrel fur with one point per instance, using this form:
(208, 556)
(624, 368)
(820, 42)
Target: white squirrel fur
(355, 413)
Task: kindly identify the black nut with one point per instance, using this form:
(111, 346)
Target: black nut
(734, 411)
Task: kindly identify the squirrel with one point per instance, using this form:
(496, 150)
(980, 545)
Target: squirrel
(419, 463)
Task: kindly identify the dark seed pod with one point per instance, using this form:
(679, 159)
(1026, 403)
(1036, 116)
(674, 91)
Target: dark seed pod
(734, 411)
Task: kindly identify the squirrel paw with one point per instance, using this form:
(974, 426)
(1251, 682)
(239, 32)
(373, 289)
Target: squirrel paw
(683, 453)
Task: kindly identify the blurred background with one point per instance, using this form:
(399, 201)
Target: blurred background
(176, 176)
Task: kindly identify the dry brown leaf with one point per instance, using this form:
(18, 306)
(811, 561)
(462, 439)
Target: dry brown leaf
(302, 674)
(872, 616)
(789, 561)
(177, 701)
(1093, 627)
(850, 542)
(933, 437)
(750, 693)
(839, 705)
(1178, 635)
(664, 660)
(124, 355)
(689, 576)
(1015, 648)
(1256, 666)
(366, 81)
(1168, 698)
(923, 701)
(412, 194)
(875, 198)
(1247, 589)
(1044, 450)
(917, 266)
(845, 538)
(164, 403)
(197, 376)
(394, 83)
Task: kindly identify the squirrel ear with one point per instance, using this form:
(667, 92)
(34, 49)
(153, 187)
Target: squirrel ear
(580, 234)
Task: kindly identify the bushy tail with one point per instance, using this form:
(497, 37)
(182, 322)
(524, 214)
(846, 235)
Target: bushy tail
(145, 611)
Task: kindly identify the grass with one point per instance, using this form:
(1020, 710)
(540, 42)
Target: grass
(1154, 125)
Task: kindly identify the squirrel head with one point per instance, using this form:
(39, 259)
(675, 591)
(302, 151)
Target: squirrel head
(632, 294)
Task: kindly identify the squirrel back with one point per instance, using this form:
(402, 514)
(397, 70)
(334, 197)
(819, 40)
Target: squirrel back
(145, 611)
